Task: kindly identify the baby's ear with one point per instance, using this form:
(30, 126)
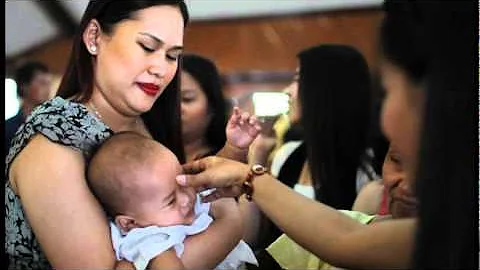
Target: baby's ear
(125, 223)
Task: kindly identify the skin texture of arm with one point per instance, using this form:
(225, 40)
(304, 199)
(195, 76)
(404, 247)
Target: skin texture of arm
(261, 150)
(167, 260)
(327, 233)
(65, 217)
(232, 152)
(252, 218)
(332, 236)
(369, 199)
(207, 249)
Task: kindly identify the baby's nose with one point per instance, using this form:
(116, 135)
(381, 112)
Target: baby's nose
(187, 200)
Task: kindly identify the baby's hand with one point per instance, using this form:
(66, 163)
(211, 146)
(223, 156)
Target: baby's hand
(242, 129)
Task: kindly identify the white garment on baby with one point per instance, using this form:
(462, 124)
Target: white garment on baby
(140, 245)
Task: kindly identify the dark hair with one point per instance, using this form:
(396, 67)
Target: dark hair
(163, 119)
(334, 91)
(440, 52)
(25, 74)
(205, 72)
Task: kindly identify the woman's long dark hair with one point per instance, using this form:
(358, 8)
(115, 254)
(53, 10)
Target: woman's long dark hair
(205, 72)
(163, 120)
(334, 91)
(435, 43)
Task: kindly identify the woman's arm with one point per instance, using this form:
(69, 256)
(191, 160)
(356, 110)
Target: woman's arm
(208, 249)
(67, 220)
(325, 232)
(166, 260)
(369, 198)
(261, 149)
(252, 220)
(232, 152)
(331, 235)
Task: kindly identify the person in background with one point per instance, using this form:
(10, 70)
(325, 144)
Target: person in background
(334, 115)
(122, 75)
(375, 197)
(378, 201)
(203, 107)
(429, 114)
(34, 83)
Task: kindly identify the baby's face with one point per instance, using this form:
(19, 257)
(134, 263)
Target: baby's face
(166, 203)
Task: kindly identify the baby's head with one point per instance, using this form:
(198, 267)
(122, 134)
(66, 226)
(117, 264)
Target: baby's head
(134, 179)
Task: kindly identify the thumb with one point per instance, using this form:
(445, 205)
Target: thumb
(198, 181)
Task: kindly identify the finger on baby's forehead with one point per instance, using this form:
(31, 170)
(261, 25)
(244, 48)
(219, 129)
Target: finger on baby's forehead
(193, 167)
(198, 181)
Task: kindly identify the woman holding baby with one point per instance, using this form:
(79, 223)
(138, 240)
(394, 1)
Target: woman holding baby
(121, 76)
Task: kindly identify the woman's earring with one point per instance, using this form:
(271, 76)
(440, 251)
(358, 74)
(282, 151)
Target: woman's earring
(93, 49)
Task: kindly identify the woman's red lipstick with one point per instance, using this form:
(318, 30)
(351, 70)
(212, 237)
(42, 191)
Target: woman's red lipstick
(149, 88)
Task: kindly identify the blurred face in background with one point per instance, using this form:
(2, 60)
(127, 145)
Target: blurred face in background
(39, 89)
(402, 202)
(195, 111)
(401, 116)
(294, 113)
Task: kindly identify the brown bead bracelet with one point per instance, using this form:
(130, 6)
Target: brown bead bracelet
(247, 185)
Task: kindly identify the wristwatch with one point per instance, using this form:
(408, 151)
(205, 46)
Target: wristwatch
(255, 170)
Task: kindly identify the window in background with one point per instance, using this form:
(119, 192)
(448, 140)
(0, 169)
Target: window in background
(12, 102)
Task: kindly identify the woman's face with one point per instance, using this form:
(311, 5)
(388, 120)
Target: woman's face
(195, 113)
(401, 116)
(294, 113)
(136, 62)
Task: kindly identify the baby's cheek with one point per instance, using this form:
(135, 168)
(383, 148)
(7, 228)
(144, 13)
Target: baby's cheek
(191, 193)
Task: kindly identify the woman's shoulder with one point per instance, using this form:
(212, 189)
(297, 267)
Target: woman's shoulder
(64, 122)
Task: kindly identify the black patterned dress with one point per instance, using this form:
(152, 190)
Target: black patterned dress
(63, 122)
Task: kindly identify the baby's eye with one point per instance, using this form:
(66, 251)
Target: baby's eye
(172, 202)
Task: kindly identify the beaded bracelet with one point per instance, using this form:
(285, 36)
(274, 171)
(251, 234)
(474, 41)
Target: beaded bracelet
(247, 185)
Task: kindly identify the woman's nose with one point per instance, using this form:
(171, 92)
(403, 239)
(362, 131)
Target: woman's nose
(158, 66)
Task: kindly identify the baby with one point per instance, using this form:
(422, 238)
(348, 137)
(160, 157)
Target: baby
(133, 177)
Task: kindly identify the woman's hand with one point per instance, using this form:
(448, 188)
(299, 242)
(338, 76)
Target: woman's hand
(226, 175)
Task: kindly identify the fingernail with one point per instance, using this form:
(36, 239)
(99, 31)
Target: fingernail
(181, 179)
